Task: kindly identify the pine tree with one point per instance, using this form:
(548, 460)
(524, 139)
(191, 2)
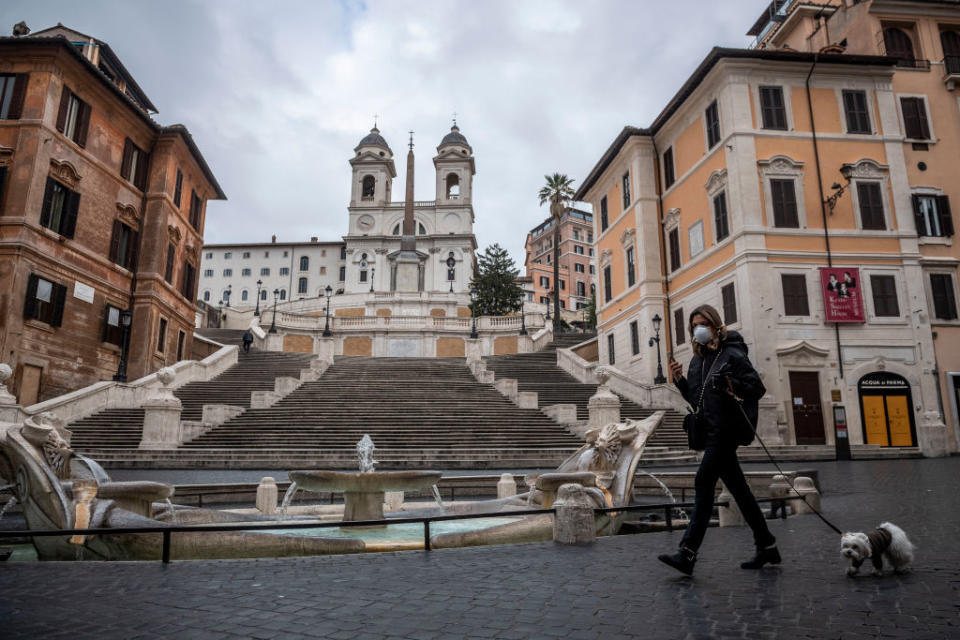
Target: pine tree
(495, 282)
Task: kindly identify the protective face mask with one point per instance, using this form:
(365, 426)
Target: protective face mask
(702, 334)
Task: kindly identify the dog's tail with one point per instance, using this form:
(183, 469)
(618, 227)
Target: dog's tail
(900, 549)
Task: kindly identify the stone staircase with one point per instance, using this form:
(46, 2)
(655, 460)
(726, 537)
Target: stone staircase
(254, 371)
(419, 412)
(539, 372)
(226, 337)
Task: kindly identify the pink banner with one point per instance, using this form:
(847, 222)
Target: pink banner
(842, 294)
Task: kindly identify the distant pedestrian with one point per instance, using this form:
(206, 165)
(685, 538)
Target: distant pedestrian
(720, 376)
(247, 341)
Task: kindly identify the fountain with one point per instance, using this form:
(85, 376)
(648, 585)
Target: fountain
(363, 491)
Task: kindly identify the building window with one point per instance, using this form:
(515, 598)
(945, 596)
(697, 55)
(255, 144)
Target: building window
(302, 286)
(123, 245)
(673, 241)
(915, 124)
(563, 285)
(592, 270)
(590, 237)
(611, 355)
(161, 335)
(898, 45)
(773, 111)
(784, 199)
(678, 327)
(266, 254)
(13, 88)
(181, 341)
(581, 289)
(545, 282)
(607, 284)
(604, 215)
(206, 296)
(950, 41)
(932, 215)
(855, 107)
(283, 294)
(625, 181)
(304, 263)
(244, 295)
(576, 234)
(246, 255)
(871, 206)
(286, 254)
(208, 273)
(188, 281)
(578, 249)
(135, 165)
(544, 300)
(669, 177)
(729, 296)
(209, 255)
(323, 270)
(227, 255)
(635, 337)
(245, 272)
(720, 221)
(343, 252)
(713, 125)
(45, 301)
(368, 188)
(196, 206)
(60, 207)
(884, 290)
(343, 274)
(171, 256)
(178, 189)
(111, 325)
(284, 271)
(578, 267)
(944, 301)
(73, 118)
(263, 294)
(228, 273)
(363, 275)
(631, 268)
(795, 295)
(265, 271)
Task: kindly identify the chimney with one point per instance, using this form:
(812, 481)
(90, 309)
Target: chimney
(313, 238)
(274, 240)
(21, 29)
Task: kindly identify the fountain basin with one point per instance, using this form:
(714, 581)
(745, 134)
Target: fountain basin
(363, 492)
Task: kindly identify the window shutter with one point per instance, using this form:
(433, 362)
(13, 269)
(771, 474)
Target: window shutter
(918, 216)
(3, 180)
(71, 206)
(871, 206)
(30, 302)
(19, 93)
(946, 219)
(62, 112)
(678, 329)
(59, 302)
(178, 189)
(168, 273)
(83, 124)
(115, 242)
(127, 157)
(911, 122)
(133, 247)
(142, 168)
(47, 203)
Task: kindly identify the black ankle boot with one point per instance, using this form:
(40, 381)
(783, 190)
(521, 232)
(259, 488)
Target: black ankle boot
(683, 560)
(764, 556)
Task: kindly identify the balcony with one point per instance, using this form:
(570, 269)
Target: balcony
(951, 71)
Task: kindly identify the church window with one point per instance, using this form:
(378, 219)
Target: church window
(396, 230)
(369, 186)
(453, 186)
(421, 230)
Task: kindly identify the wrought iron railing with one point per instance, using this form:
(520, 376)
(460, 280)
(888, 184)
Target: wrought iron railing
(952, 64)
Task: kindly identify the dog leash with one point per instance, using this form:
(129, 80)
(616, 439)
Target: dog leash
(786, 477)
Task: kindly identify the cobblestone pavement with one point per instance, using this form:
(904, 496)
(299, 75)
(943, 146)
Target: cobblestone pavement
(612, 589)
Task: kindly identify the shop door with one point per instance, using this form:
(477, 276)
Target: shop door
(807, 411)
(885, 401)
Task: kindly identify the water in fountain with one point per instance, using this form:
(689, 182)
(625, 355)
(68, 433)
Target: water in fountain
(173, 512)
(287, 499)
(436, 496)
(99, 475)
(666, 491)
(365, 459)
(12, 501)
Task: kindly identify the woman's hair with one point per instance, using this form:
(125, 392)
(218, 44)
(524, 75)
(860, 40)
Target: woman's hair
(713, 317)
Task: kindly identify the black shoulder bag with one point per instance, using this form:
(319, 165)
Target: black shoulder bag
(693, 423)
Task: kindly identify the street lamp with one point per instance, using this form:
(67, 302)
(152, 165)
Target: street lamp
(451, 264)
(256, 311)
(549, 295)
(373, 271)
(523, 317)
(273, 325)
(125, 319)
(326, 324)
(656, 339)
(228, 292)
(473, 313)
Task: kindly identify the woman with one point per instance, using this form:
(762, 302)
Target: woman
(720, 377)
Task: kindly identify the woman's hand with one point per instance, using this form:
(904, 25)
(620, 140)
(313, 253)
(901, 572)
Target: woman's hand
(675, 368)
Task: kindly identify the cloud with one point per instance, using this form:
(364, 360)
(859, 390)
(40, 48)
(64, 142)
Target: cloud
(278, 94)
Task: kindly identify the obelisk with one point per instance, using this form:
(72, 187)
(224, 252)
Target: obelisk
(408, 261)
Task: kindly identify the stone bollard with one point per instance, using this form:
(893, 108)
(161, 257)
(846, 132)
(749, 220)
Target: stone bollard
(267, 496)
(604, 405)
(9, 409)
(507, 486)
(730, 515)
(779, 488)
(528, 400)
(805, 488)
(393, 500)
(161, 416)
(573, 522)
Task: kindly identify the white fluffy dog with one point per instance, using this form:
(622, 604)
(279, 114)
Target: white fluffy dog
(888, 541)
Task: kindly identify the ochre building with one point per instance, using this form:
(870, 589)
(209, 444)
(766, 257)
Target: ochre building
(574, 255)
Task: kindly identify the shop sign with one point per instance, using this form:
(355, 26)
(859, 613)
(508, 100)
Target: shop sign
(842, 295)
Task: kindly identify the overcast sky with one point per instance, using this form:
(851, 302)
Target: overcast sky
(277, 94)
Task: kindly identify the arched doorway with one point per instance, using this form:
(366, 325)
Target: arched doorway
(886, 407)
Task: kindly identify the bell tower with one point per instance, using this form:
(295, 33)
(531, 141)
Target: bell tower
(455, 169)
(373, 171)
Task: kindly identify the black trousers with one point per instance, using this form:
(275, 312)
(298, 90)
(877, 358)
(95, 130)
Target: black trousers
(720, 463)
(246, 346)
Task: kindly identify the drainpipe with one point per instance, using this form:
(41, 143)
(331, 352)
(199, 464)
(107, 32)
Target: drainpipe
(823, 205)
(668, 324)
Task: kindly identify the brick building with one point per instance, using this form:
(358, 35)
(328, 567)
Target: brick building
(575, 258)
(101, 213)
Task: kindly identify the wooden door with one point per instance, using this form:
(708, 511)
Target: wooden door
(807, 411)
(30, 385)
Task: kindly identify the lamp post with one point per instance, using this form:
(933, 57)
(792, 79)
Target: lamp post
(549, 295)
(451, 264)
(660, 379)
(125, 319)
(220, 314)
(473, 313)
(229, 292)
(373, 272)
(256, 312)
(273, 325)
(523, 316)
(326, 324)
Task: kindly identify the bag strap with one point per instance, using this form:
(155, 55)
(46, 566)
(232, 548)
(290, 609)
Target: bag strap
(703, 386)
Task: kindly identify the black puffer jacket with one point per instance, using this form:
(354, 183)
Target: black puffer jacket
(719, 410)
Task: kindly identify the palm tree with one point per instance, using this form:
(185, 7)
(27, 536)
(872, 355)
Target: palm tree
(558, 190)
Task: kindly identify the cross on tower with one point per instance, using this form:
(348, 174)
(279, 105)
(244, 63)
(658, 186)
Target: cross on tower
(375, 117)
(454, 118)
(411, 139)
